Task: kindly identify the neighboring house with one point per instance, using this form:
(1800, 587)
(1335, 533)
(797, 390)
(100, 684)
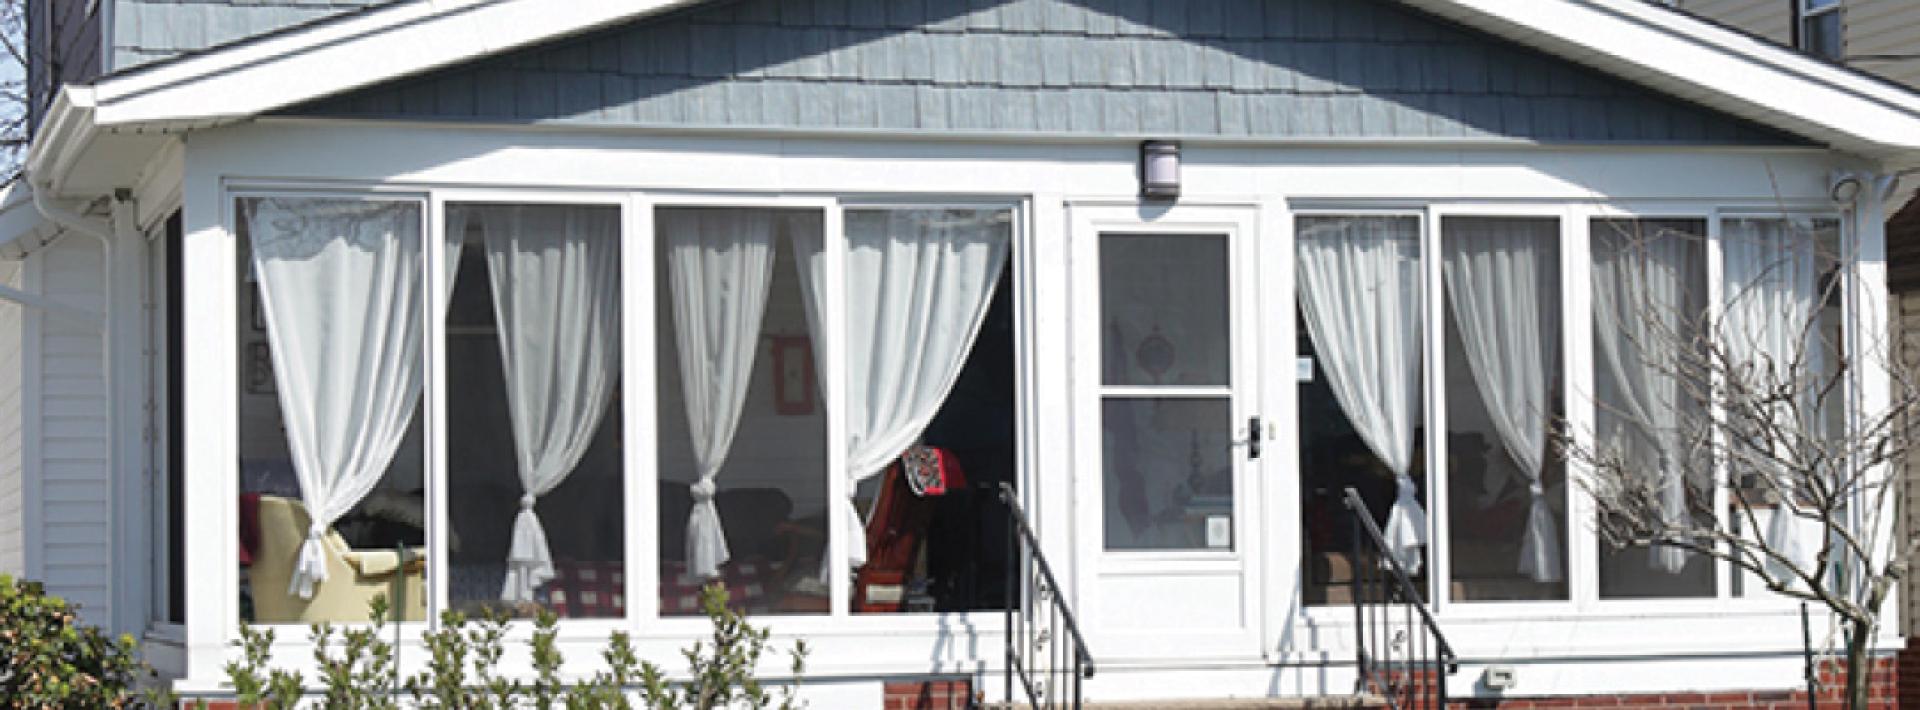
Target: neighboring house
(590, 300)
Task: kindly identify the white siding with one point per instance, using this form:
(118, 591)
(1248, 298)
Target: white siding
(1880, 29)
(1771, 19)
(13, 557)
(74, 541)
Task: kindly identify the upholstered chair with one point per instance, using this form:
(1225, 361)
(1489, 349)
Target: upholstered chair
(354, 577)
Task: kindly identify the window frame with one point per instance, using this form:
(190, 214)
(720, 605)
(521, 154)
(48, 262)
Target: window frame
(639, 387)
(1806, 13)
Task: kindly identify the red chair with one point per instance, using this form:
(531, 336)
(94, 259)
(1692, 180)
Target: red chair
(902, 513)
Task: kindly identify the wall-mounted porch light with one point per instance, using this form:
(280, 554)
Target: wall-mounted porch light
(1159, 170)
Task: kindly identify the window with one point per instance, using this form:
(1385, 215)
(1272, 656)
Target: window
(166, 379)
(1506, 490)
(1781, 289)
(1649, 320)
(534, 472)
(331, 462)
(333, 465)
(1819, 28)
(744, 457)
(1362, 418)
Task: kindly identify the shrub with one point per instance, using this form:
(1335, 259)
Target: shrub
(357, 668)
(50, 660)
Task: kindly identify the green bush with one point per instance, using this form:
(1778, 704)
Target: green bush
(50, 660)
(357, 669)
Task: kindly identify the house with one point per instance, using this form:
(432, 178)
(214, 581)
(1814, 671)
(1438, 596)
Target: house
(529, 304)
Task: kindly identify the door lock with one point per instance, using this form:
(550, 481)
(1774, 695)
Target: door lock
(1253, 437)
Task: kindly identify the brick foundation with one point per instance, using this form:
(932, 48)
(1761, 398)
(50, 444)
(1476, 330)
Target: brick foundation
(1895, 686)
(929, 694)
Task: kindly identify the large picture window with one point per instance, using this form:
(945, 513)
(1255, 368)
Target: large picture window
(534, 474)
(1506, 488)
(1362, 415)
(332, 509)
(336, 508)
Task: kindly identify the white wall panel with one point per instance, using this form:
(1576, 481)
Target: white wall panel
(13, 558)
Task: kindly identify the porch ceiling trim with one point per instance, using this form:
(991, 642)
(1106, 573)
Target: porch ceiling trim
(1670, 51)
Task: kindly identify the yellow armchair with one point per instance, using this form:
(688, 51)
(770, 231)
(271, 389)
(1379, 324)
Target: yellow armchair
(354, 577)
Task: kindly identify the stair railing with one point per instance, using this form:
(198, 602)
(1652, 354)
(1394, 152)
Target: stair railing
(1046, 653)
(1400, 652)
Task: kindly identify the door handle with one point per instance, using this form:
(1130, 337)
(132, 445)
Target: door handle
(1253, 437)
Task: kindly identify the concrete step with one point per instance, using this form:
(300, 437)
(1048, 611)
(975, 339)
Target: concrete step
(1324, 702)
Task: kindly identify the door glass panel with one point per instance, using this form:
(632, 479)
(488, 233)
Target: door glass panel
(1167, 477)
(1163, 309)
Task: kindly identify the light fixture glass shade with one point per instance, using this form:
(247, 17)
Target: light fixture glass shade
(1160, 170)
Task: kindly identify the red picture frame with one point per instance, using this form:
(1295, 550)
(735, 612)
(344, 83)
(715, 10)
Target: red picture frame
(793, 375)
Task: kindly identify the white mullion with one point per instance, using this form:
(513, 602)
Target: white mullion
(638, 420)
(1723, 572)
(839, 536)
(1578, 402)
(1165, 392)
(439, 293)
(1281, 577)
(1438, 475)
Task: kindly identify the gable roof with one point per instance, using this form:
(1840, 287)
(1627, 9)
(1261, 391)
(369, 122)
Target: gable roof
(1646, 44)
(1354, 70)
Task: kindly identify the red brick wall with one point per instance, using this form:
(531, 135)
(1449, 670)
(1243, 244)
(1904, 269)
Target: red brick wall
(1895, 686)
(929, 694)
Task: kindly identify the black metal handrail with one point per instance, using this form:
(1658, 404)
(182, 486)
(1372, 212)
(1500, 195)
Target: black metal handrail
(1048, 665)
(1399, 650)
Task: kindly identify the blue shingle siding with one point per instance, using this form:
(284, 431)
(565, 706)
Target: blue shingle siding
(1198, 68)
(146, 30)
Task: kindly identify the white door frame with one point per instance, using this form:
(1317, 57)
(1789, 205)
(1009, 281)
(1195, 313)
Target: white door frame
(1106, 610)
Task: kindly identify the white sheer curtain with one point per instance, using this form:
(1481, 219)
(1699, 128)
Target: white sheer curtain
(1503, 282)
(918, 286)
(719, 265)
(1361, 295)
(555, 273)
(1643, 290)
(1771, 290)
(340, 288)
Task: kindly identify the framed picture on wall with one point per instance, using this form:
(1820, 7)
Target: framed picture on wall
(793, 376)
(259, 368)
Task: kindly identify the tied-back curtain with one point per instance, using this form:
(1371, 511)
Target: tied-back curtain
(1771, 291)
(1361, 296)
(719, 264)
(918, 283)
(555, 273)
(1643, 293)
(1503, 281)
(340, 288)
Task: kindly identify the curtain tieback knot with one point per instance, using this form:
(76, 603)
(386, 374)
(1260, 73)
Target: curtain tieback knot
(316, 532)
(702, 490)
(526, 501)
(1538, 489)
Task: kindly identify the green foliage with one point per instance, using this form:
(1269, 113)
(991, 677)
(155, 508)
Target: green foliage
(50, 660)
(723, 668)
(358, 668)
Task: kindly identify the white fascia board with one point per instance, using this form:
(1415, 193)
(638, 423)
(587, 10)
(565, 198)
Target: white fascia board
(1710, 65)
(65, 133)
(257, 76)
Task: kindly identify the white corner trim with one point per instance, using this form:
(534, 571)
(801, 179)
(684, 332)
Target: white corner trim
(260, 75)
(1711, 65)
